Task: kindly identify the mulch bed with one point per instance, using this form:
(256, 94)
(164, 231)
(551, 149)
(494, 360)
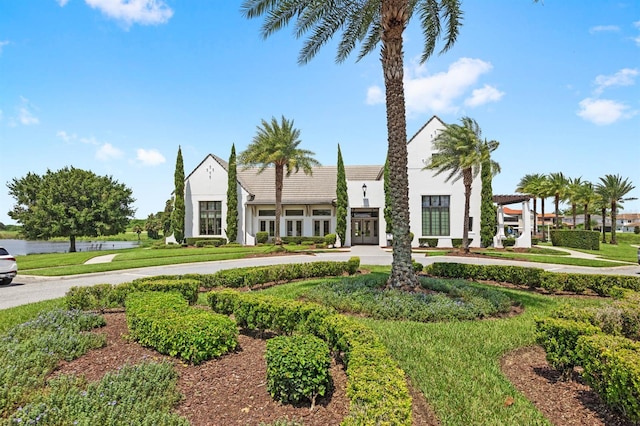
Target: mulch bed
(232, 390)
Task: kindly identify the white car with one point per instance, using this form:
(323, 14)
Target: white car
(8, 267)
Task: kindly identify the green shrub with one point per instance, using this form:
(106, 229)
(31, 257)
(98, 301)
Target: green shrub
(612, 368)
(262, 237)
(166, 323)
(376, 386)
(535, 241)
(303, 240)
(417, 266)
(559, 338)
(297, 368)
(587, 240)
(508, 242)
(206, 241)
(31, 350)
(135, 395)
(107, 296)
(430, 242)
(330, 239)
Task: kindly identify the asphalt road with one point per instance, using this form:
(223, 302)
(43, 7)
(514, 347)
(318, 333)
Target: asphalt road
(28, 289)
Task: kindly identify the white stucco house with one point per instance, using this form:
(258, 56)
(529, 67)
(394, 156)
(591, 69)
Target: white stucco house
(308, 202)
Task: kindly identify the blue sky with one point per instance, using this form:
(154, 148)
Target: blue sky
(115, 86)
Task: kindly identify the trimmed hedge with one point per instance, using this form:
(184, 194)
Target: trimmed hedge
(166, 323)
(612, 368)
(559, 338)
(206, 241)
(604, 285)
(262, 237)
(297, 368)
(302, 240)
(376, 386)
(106, 296)
(587, 240)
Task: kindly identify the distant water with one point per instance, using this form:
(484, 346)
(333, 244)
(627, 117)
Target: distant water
(22, 247)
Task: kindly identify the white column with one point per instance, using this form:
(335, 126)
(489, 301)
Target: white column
(497, 239)
(524, 240)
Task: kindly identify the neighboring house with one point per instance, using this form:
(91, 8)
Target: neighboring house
(436, 207)
(626, 222)
(513, 219)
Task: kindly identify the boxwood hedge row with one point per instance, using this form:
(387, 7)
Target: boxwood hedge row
(604, 285)
(376, 386)
(107, 296)
(256, 275)
(594, 339)
(166, 323)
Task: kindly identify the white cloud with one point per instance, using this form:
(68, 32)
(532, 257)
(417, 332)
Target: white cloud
(375, 95)
(149, 157)
(25, 116)
(108, 152)
(3, 43)
(438, 92)
(62, 3)
(61, 134)
(624, 77)
(603, 111)
(482, 96)
(604, 28)
(144, 12)
(90, 141)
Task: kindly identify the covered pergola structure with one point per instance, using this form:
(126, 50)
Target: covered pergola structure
(524, 240)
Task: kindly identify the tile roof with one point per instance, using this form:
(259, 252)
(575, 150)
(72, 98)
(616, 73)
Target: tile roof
(299, 188)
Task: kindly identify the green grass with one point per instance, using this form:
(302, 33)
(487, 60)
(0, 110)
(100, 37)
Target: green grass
(558, 260)
(624, 252)
(456, 364)
(59, 264)
(13, 316)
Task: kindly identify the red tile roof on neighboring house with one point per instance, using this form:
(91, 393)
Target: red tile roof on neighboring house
(507, 210)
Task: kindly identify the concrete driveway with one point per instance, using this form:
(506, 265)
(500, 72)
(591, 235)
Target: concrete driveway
(28, 289)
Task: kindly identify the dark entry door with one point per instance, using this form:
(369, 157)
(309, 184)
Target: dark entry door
(364, 231)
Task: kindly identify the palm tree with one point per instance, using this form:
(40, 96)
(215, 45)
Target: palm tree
(532, 184)
(461, 152)
(276, 145)
(587, 197)
(573, 196)
(614, 189)
(558, 185)
(369, 22)
(602, 203)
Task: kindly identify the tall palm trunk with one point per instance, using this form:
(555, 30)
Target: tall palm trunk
(544, 233)
(574, 214)
(557, 212)
(279, 179)
(587, 225)
(467, 179)
(604, 232)
(535, 216)
(614, 219)
(72, 244)
(394, 18)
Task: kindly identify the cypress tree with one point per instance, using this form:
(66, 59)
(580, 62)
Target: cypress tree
(488, 211)
(387, 200)
(232, 198)
(177, 216)
(342, 200)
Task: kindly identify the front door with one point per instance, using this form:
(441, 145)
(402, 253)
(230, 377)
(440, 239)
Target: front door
(364, 231)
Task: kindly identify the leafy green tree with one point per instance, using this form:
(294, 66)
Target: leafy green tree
(572, 195)
(388, 217)
(178, 213)
(342, 198)
(488, 210)
(276, 145)
(368, 23)
(614, 189)
(232, 197)
(70, 203)
(165, 217)
(587, 197)
(558, 186)
(460, 151)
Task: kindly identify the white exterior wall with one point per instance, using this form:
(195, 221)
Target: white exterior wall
(426, 183)
(209, 183)
(374, 199)
(307, 218)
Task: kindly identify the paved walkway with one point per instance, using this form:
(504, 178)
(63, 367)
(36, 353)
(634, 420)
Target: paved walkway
(100, 259)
